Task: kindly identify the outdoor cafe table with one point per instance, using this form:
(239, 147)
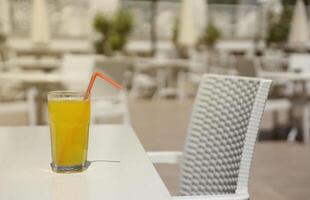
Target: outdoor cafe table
(162, 63)
(40, 81)
(25, 171)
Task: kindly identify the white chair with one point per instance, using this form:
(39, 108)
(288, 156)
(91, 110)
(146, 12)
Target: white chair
(76, 70)
(250, 67)
(273, 61)
(299, 62)
(198, 66)
(18, 102)
(145, 79)
(216, 160)
(171, 82)
(108, 102)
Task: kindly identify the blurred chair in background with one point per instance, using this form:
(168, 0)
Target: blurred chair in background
(274, 61)
(250, 67)
(299, 62)
(171, 82)
(76, 70)
(144, 79)
(222, 133)
(13, 99)
(198, 66)
(107, 101)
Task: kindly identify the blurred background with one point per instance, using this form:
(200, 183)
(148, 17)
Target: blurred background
(158, 50)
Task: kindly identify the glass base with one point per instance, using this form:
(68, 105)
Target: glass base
(70, 169)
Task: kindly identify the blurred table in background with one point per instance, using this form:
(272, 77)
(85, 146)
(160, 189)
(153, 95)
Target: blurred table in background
(286, 76)
(166, 74)
(46, 64)
(57, 48)
(43, 82)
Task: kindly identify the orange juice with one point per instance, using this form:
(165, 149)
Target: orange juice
(69, 122)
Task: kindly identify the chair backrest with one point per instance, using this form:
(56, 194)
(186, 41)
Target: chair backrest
(198, 62)
(247, 66)
(77, 69)
(116, 68)
(222, 135)
(299, 62)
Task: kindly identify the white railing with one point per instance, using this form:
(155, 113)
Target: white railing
(72, 18)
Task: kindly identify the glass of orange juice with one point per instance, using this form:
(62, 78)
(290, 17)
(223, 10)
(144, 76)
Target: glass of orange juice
(68, 114)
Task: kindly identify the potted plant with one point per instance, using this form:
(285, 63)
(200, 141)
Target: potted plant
(210, 36)
(112, 32)
(278, 28)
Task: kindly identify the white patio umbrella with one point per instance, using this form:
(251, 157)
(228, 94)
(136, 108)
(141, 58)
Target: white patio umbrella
(200, 15)
(299, 34)
(274, 6)
(40, 34)
(5, 16)
(187, 36)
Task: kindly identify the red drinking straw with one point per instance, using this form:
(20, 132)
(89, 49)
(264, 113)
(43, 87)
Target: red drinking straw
(104, 77)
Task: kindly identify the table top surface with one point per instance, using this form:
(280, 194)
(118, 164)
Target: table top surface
(30, 77)
(163, 62)
(286, 76)
(25, 172)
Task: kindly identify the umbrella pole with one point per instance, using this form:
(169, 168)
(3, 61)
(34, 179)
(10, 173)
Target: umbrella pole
(234, 18)
(259, 27)
(153, 27)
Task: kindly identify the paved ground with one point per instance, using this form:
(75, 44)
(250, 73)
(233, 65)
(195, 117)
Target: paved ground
(280, 171)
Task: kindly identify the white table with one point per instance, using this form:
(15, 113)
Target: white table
(32, 63)
(285, 76)
(40, 81)
(163, 67)
(56, 47)
(47, 78)
(146, 63)
(25, 172)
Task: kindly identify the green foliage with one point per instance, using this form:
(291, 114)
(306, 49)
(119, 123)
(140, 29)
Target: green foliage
(293, 2)
(123, 22)
(211, 35)
(278, 29)
(113, 32)
(101, 23)
(209, 38)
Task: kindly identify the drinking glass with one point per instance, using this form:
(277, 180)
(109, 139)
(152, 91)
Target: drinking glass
(68, 114)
